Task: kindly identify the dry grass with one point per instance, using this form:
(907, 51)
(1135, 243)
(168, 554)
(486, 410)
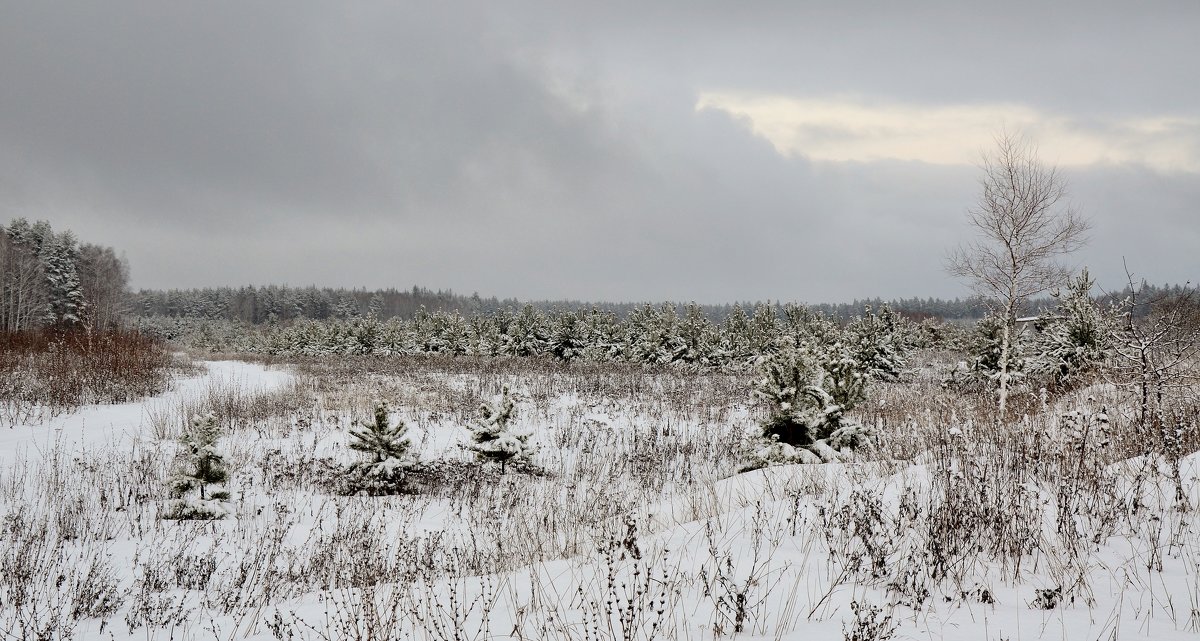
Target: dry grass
(958, 509)
(49, 372)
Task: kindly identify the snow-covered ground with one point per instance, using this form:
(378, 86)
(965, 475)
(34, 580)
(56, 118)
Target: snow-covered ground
(99, 426)
(643, 532)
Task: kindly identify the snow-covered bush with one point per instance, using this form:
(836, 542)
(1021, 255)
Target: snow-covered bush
(1086, 429)
(809, 391)
(203, 467)
(1077, 340)
(876, 342)
(852, 435)
(568, 337)
(984, 348)
(386, 446)
(493, 435)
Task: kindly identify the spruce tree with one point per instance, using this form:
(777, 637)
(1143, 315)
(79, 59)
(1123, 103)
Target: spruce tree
(375, 306)
(60, 256)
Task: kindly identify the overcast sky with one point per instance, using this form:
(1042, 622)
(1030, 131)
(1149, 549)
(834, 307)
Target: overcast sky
(683, 150)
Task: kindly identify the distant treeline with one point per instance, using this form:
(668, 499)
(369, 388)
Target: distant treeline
(48, 278)
(274, 304)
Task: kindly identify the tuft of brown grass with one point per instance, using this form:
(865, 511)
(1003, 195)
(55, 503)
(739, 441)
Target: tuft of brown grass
(53, 371)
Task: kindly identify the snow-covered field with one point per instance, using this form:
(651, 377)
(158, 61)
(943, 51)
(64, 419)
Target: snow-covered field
(107, 426)
(642, 528)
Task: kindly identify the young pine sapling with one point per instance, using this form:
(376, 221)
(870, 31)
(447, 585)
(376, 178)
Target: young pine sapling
(389, 459)
(203, 467)
(493, 434)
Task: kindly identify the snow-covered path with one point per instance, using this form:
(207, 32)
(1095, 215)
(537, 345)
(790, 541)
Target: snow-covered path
(94, 425)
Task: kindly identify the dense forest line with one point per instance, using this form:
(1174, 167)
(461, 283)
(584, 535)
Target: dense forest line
(50, 278)
(273, 304)
(270, 304)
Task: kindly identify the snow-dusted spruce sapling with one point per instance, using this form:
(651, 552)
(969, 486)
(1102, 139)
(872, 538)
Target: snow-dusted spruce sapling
(809, 390)
(389, 460)
(203, 467)
(493, 434)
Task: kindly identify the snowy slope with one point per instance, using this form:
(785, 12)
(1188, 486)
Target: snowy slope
(778, 553)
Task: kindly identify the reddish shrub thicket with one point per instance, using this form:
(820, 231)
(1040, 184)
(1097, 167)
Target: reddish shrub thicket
(63, 369)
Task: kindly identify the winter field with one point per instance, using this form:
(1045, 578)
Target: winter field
(635, 522)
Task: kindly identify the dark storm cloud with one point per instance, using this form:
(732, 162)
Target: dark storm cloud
(549, 150)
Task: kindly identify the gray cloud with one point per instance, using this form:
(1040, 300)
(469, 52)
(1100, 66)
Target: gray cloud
(540, 150)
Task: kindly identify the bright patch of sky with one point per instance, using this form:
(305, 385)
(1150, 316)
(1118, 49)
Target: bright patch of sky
(864, 130)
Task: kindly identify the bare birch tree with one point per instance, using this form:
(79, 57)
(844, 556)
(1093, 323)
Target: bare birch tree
(104, 279)
(24, 296)
(1025, 228)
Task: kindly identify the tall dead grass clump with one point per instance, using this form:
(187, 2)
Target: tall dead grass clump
(48, 372)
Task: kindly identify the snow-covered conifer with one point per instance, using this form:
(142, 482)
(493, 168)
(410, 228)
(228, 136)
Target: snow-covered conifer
(605, 341)
(986, 344)
(60, 256)
(526, 334)
(654, 336)
(1077, 339)
(735, 344)
(203, 467)
(387, 448)
(375, 305)
(346, 307)
(697, 337)
(875, 341)
(379, 438)
(763, 330)
(568, 338)
(803, 325)
(456, 335)
(493, 435)
(809, 389)
(485, 337)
